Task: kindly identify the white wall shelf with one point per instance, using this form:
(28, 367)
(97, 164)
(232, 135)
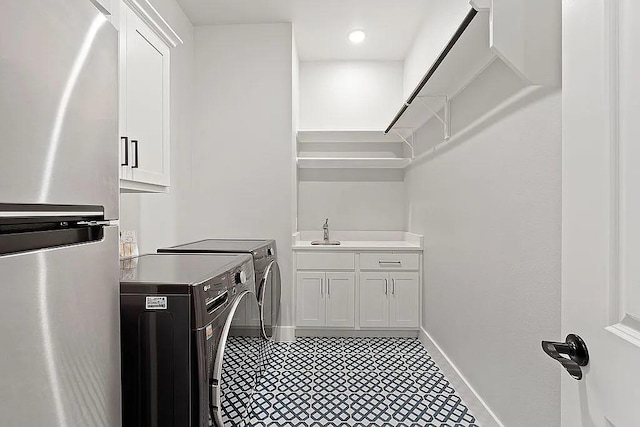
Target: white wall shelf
(357, 135)
(350, 149)
(352, 163)
(464, 58)
(515, 31)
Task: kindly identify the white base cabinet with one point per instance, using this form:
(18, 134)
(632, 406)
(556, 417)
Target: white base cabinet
(325, 299)
(310, 299)
(339, 300)
(404, 304)
(378, 290)
(389, 300)
(374, 303)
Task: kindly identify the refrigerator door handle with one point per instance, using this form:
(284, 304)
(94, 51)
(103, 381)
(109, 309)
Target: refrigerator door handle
(97, 223)
(54, 215)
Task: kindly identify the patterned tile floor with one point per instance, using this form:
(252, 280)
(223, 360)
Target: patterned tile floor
(339, 382)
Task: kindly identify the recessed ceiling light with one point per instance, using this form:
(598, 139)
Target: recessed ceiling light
(357, 36)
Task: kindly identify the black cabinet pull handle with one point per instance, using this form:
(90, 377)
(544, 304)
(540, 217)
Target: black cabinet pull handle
(126, 150)
(572, 354)
(135, 141)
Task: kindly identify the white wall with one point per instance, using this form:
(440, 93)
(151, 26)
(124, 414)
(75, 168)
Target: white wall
(442, 20)
(489, 205)
(242, 152)
(156, 216)
(349, 95)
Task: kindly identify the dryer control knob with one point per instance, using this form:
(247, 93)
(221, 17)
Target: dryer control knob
(241, 277)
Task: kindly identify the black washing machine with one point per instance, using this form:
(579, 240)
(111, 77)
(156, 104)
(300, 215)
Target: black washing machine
(265, 261)
(179, 364)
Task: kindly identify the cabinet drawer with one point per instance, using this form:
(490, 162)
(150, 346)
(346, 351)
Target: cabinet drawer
(389, 261)
(326, 261)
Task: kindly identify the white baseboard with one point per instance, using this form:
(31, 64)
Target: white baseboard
(350, 333)
(479, 408)
(284, 333)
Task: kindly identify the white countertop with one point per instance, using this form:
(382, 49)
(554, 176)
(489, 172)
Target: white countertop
(359, 241)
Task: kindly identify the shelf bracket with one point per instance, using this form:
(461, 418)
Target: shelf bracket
(446, 120)
(397, 132)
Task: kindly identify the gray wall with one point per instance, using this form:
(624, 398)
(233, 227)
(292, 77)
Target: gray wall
(242, 152)
(489, 206)
(352, 199)
(355, 95)
(349, 94)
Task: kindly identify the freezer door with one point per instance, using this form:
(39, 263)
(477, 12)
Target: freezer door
(58, 104)
(60, 336)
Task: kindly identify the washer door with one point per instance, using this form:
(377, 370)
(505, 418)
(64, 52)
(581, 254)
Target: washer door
(236, 369)
(269, 300)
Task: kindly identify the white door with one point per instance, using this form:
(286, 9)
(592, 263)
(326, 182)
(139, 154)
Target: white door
(340, 305)
(601, 209)
(310, 299)
(147, 102)
(374, 301)
(403, 300)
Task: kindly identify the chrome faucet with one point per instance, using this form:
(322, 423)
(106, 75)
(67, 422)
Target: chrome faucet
(325, 228)
(325, 241)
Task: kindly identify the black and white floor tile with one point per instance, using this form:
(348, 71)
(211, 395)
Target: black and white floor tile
(341, 382)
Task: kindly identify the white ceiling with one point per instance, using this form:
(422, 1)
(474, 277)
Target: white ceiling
(322, 26)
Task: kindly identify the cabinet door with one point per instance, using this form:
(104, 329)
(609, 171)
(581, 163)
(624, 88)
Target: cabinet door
(125, 146)
(147, 102)
(310, 299)
(340, 304)
(374, 301)
(404, 300)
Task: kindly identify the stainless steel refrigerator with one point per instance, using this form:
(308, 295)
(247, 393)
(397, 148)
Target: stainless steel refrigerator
(59, 327)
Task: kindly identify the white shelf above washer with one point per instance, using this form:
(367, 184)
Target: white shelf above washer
(352, 163)
(462, 60)
(350, 135)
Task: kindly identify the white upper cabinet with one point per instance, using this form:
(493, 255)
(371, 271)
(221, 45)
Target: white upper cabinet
(144, 103)
(147, 83)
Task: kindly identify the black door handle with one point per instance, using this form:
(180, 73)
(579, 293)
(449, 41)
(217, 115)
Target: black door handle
(572, 354)
(126, 150)
(135, 141)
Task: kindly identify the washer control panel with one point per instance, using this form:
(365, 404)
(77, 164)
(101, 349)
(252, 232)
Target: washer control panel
(211, 298)
(242, 277)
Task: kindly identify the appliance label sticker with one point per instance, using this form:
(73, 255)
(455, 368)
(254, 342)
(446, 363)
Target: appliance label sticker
(209, 332)
(156, 303)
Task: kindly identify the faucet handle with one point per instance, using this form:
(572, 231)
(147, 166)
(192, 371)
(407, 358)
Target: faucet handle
(326, 223)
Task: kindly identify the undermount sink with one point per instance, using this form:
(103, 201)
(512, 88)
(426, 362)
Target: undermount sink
(325, 243)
